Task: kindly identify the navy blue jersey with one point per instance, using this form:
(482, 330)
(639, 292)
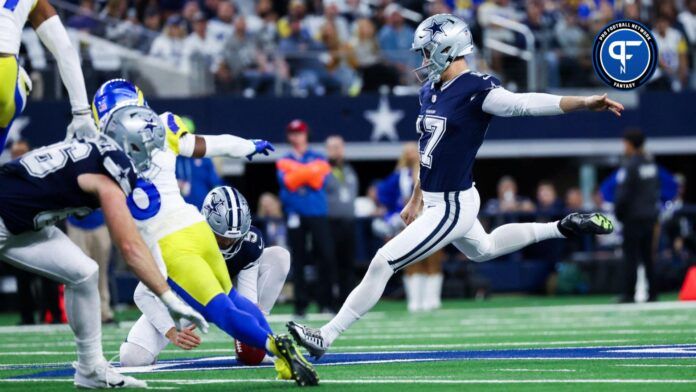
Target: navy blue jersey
(251, 250)
(40, 188)
(452, 126)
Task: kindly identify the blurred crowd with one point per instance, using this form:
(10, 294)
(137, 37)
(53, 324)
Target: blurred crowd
(302, 47)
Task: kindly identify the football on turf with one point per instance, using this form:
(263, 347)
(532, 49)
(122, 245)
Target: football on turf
(247, 355)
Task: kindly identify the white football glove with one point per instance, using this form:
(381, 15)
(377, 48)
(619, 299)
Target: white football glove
(179, 310)
(82, 125)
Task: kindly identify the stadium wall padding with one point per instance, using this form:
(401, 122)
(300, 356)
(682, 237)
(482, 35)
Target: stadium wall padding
(658, 114)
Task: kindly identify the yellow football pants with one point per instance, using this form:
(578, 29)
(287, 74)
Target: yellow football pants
(11, 102)
(195, 263)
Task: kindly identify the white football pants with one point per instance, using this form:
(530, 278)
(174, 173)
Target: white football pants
(261, 283)
(50, 253)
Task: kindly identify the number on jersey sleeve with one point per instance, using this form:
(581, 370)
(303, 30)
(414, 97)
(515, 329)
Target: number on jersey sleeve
(44, 161)
(145, 201)
(431, 128)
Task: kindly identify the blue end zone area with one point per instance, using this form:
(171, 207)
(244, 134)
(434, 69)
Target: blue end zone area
(577, 353)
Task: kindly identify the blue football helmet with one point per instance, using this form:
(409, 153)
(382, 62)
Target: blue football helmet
(115, 93)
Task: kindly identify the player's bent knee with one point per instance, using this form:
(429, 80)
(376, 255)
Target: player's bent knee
(281, 257)
(379, 266)
(87, 274)
(132, 354)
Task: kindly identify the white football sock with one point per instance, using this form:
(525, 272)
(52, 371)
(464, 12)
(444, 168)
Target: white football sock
(361, 299)
(408, 291)
(420, 282)
(433, 290)
(82, 306)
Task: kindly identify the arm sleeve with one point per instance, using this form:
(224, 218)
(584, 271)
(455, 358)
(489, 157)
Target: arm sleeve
(227, 145)
(153, 309)
(503, 103)
(53, 35)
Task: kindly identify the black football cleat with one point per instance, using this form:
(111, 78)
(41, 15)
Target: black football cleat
(309, 338)
(302, 371)
(577, 224)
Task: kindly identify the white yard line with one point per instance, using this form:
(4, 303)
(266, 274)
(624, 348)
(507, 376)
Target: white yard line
(657, 365)
(377, 381)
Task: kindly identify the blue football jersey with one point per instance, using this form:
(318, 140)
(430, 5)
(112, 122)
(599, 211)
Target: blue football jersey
(40, 188)
(251, 250)
(452, 126)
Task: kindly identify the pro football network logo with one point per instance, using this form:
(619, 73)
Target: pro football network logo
(624, 54)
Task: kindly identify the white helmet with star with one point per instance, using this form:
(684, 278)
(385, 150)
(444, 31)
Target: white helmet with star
(441, 39)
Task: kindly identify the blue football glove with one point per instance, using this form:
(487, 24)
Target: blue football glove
(262, 147)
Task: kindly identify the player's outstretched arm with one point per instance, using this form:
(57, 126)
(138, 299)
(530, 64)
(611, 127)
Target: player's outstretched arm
(127, 239)
(503, 103)
(199, 146)
(596, 103)
(52, 33)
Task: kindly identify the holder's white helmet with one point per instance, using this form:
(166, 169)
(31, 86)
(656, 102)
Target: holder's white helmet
(227, 213)
(441, 39)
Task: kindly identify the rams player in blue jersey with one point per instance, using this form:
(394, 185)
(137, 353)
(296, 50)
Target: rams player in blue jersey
(257, 271)
(457, 106)
(75, 177)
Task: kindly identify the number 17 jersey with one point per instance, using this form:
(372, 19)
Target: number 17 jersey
(452, 125)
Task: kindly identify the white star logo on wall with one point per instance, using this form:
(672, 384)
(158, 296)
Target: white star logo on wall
(384, 120)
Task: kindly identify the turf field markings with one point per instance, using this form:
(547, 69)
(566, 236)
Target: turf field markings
(535, 370)
(397, 381)
(664, 365)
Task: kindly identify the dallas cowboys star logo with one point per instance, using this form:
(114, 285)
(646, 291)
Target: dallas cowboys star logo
(150, 125)
(435, 28)
(123, 174)
(215, 206)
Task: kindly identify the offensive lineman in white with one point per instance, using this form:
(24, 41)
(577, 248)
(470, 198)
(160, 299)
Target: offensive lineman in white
(15, 84)
(457, 106)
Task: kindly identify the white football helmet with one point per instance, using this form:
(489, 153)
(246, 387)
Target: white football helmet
(227, 213)
(441, 39)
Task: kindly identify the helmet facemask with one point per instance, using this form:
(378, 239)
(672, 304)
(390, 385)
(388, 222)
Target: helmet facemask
(434, 64)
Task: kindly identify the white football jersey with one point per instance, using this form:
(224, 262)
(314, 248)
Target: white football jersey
(13, 16)
(159, 209)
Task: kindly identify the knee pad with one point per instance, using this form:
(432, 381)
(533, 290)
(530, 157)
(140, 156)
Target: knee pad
(281, 258)
(132, 354)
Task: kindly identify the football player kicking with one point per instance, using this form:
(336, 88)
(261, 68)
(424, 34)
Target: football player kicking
(15, 84)
(182, 242)
(457, 106)
(258, 273)
(73, 178)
